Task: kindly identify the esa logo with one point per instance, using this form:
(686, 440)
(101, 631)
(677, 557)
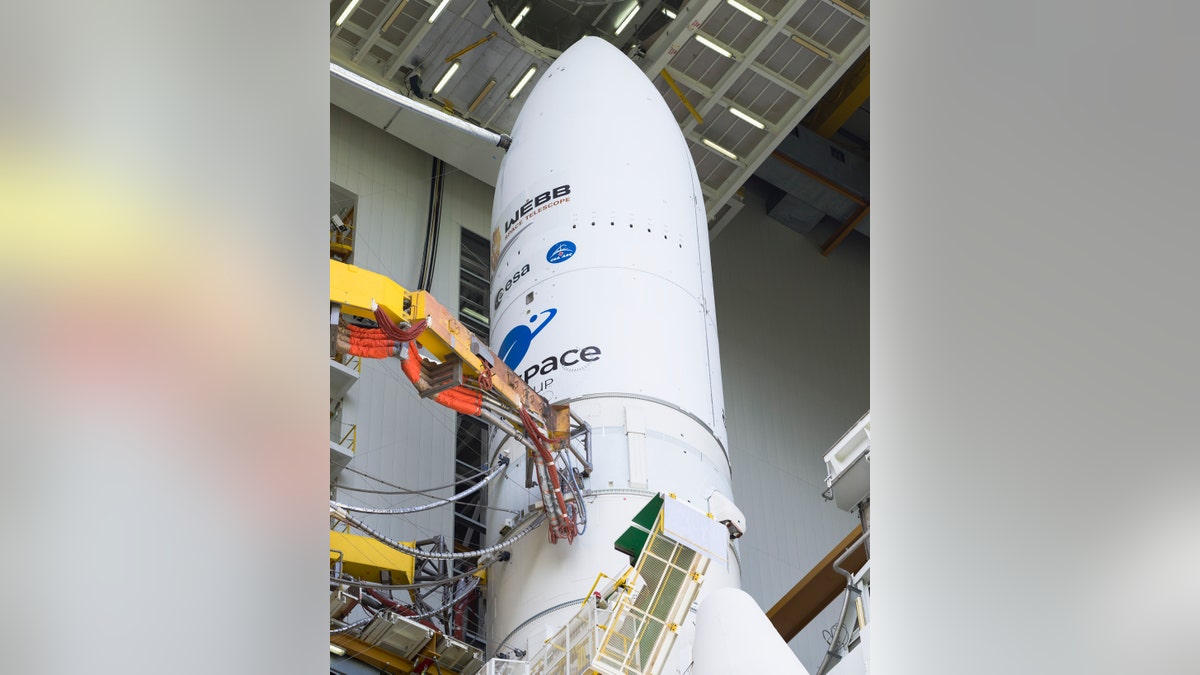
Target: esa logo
(508, 285)
(560, 252)
(516, 345)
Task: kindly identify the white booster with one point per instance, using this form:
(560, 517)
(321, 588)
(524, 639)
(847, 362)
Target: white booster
(602, 298)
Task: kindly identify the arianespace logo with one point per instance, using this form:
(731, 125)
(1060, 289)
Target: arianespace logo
(516, 345)
(560, 252)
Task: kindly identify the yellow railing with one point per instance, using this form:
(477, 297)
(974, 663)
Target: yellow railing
(354, 362)
(352, 434)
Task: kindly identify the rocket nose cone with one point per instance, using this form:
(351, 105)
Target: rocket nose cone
(595, 87)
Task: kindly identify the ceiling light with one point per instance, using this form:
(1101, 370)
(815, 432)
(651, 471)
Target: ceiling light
(520, 17)
(487, 88)
(524, 80)
(336, 650)
(713, 46)
(346, 13)
(743, 116)
(719, 149)
(628, 18)
(446, 78)
(442, 5)
(669, 13)
(744, 10)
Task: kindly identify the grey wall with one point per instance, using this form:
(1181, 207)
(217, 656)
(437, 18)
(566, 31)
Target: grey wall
(794, 332)
(401, 438)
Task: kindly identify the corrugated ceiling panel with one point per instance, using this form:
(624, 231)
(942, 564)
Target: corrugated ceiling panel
(701, 63)
(732, 27)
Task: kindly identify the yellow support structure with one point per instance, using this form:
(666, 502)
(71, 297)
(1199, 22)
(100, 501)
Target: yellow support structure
(679, 92)
(365, 558)
(445, 337)
(840, 103)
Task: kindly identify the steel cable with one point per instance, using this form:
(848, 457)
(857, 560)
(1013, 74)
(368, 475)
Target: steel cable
(496, 471)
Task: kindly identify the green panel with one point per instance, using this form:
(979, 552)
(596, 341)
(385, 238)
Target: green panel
(633, 540)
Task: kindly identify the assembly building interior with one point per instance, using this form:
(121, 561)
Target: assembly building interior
(772, 100)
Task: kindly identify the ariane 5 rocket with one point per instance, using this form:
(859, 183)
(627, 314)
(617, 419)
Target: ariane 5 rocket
(602, 297)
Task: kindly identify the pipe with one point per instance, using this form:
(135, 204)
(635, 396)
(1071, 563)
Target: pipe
(499, 469)
(827, 661)
(433, 224)
(845, 554)
(499, 140)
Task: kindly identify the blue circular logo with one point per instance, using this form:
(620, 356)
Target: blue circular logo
(559, 252)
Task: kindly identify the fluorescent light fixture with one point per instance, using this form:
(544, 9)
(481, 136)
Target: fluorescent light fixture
(628, 18)
(520, 17)
(336, 650)
(487, 88)
(719, 149)
(743, 116)
(475, 315)
(346, 13)
(442, 5)
(446, 78)
(744, 10)
(713, 46)
(669, 13)
(524, 80)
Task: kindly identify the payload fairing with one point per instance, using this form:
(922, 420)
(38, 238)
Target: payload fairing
(603, 298)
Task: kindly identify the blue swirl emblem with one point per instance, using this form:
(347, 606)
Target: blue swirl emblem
(516, 343)
(560, 252)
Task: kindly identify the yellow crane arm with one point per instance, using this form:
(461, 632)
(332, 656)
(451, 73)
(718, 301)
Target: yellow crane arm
(354, 289)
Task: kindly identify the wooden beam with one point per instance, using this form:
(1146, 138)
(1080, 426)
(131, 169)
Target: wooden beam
(819, 178)
(847, 227)
(821, 586)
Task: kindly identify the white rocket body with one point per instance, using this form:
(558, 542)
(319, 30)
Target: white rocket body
(602, 297)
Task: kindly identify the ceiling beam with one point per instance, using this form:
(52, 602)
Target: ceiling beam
(752, 52)
(376, 29)
(847, 227)
(724, 101)
(680, 30)
(410, 43)
(334, 29)
(768, 144)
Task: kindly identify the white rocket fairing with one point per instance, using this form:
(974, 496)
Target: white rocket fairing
(602, 297)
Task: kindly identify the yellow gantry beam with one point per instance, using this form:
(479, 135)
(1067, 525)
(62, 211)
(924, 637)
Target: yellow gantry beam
(839, 104)
(679, 92)
(366, 558)
(445, 337)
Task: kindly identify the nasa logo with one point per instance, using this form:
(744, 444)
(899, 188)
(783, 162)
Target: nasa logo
(516, 344)
(560, 252)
